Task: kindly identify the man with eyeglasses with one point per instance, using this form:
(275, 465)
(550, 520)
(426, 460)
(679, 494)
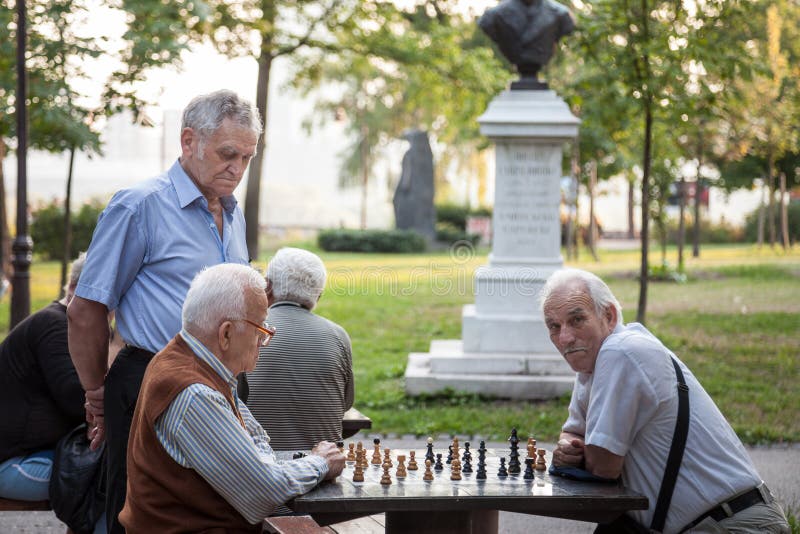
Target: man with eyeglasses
(150, 242)
(197, 460)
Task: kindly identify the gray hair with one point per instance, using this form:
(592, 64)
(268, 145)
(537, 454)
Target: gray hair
(205, 114)
(218, 293)
(75, 271)
(296, 275)
(599, 292)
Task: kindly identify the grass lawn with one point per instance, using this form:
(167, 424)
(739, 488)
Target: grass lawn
(736, 323)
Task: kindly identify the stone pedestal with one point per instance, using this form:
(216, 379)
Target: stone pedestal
(505, 350)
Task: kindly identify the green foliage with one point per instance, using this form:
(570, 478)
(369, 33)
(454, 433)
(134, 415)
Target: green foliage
(793, 212)
(665, 273)
(456, 215)
(47, 229)
(371, 241)
(448, 233)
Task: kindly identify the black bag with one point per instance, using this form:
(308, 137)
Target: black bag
(77, 483)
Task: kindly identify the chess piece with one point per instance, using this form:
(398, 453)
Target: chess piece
(455, 469)
(513, 462)
(412, 462)
(351, 453)
(429, 454)
(481, 474)
(449, 454)
(528, 469)
(467, 454)
(340, 446)
(387, 459)
(428, 476)
(467, 458)
(386, 479)
(376, 455)
(502, 472)
(438, 465)
(358, 474)
(541, 465)
(401, 466)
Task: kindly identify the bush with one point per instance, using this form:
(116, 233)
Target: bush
(449, 233)
(453, 215)
(47, 229)
(371, 241)
(751, 224)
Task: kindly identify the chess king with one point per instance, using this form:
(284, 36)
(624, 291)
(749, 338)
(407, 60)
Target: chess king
(623, 413)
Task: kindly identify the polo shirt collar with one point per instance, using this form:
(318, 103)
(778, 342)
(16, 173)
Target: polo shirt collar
(188, 191)
(208, 357)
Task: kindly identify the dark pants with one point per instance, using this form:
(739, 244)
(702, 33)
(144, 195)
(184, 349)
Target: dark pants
(121, 391)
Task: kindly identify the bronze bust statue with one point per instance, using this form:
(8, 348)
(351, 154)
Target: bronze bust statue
(526, 32)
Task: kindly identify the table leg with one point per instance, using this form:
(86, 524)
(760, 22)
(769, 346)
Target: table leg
(461, 522)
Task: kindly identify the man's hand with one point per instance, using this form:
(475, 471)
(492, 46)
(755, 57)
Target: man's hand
(569, 450)
(95, 416)
(331, 453)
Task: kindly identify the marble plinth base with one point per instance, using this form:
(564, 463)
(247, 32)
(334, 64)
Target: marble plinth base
(502, 374)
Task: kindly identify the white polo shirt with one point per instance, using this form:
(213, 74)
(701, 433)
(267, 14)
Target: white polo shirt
(629, 406)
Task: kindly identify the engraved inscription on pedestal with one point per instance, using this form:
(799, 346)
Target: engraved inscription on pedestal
(527, 197)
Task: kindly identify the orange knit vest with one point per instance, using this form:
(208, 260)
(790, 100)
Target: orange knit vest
(164, 496)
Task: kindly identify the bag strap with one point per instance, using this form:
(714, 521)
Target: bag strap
(675, 453)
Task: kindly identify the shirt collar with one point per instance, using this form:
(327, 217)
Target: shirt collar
(188, 191)
(208, 357)
(285, 303)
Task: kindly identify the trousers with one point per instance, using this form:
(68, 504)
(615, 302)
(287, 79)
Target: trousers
(122, 385)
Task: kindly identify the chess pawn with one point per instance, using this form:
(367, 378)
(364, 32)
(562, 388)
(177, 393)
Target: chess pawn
(401, 466)
(387, 459)
(455, 469)
(376, 455)
(528, 469)
(438, 465)
(428, 476)
(386, 479)
(412, 462)
(351, 453)
(340, 446)
(358, 474)
(541, 465)
(502, 472)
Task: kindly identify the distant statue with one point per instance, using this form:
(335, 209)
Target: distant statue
(413, 198)
(526, 32)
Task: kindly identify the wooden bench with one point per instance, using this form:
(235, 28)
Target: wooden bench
(353, 421)
(294, 524)
(13, 505)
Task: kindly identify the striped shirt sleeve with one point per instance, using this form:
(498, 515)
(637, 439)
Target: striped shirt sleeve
(200, 431)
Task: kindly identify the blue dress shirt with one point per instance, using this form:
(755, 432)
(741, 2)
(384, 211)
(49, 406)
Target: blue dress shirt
(150, 242)
(200, 431)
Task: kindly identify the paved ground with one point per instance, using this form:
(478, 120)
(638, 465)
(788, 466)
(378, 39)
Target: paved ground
(779, 465)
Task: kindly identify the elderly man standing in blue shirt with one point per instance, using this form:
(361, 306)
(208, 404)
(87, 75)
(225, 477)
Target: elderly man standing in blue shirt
(150, 242)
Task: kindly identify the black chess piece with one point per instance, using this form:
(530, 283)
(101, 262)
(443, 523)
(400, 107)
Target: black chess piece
(449, 454)
(438, 466)
(502, 471)
(466, 454)
(466, 466)
(481, 474)
(528, 469)
(429, 454)
(513, 462)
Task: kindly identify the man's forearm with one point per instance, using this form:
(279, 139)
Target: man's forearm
(88, 336)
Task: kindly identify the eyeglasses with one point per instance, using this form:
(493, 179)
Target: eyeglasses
(265, 329)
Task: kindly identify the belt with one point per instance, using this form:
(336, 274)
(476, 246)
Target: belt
(731, 507)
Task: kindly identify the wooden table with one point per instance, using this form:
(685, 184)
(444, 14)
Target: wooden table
(466, 506)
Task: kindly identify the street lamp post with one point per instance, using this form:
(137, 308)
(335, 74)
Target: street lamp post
(21, 249)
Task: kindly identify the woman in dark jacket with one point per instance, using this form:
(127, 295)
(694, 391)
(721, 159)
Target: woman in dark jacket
(40, 395)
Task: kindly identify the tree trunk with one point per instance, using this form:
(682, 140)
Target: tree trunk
(698, 189)
(771, 200)
(681, 221)
(5, 235)
(572, 199)
(641, 310)
(760, 237)
(252, 198)
(67, 253)
(592, 223)
(784, 213)
(631, 208)
(364, 175)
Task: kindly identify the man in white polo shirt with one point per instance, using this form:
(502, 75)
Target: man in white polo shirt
(623, 413)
